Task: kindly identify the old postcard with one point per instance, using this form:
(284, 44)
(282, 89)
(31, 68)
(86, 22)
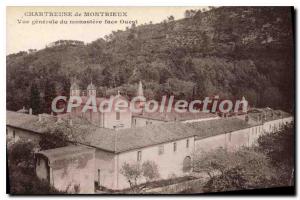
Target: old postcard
(150, 100)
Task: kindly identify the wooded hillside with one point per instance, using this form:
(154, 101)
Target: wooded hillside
(226, 51)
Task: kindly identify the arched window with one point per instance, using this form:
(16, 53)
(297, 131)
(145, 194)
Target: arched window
(187, 164)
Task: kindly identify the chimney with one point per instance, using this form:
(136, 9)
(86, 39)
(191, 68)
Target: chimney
(40, 117)
(30, 111)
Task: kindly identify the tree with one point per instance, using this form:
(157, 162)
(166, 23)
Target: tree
(171, 18)
(53, 140)
(279, 147)
(133, 173)
(35, 101)
(50, 94)
(21, 153)
(190, 13)
(180, 89)
(212, 162)
(150, 170)
(272, 97)
(243, 169)
(22, 177)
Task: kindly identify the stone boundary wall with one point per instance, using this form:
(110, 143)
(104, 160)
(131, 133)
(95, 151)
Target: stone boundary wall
(176, 188)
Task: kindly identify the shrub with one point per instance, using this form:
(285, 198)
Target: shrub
(150, 170)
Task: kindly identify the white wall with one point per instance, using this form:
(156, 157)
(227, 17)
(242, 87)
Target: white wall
(15, 134)
(141, 122)
(110, 120)
(274, 125)
(170, 163)
(74, 173)
(41, 168)
(230, 141)
(105, 162)
(234, 140)
(201, 119)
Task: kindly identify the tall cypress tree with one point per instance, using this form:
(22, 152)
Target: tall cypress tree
(50, 94)
(35, 101)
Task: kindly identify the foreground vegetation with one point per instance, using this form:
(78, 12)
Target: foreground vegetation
(21, 171)
(269, 164)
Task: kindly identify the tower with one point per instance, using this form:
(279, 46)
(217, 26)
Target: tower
(74, 89)
(91, 89)
(140, 92)
(140, 95)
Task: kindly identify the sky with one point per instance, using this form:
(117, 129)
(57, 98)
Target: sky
(24, 36)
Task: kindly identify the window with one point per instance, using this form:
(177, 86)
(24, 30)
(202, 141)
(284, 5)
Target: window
(118, 115)
(174, 146)
(139, 155)
(134, 121)
(187, 164)
(160, 149)
(14, 134)
(187, 143)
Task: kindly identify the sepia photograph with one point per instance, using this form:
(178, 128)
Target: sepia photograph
(150, 100)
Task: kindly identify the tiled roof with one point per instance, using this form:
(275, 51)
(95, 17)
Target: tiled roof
(63, 152)
(216, 127)
(128, 139)
(174, 116)
(267, 114)
(131, 138)
(134, 138)
(24, 121)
